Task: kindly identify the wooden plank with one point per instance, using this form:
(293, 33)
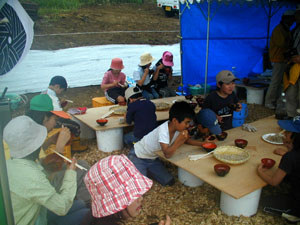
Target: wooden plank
(92, 114)
(242, 179)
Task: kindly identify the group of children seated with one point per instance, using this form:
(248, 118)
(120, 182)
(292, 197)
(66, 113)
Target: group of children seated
(45, 190)
(152, 81)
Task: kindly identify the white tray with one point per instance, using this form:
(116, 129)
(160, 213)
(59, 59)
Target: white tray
(265, 138)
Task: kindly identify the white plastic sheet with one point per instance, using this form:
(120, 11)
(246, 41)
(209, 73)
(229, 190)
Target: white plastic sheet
(81, 66)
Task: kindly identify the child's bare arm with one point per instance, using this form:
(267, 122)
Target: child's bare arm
(142, 80)
(169, 150)
(191, 141)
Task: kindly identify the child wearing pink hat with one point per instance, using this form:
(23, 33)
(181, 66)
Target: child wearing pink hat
(114, 82)
(117, 190)
(162, 73)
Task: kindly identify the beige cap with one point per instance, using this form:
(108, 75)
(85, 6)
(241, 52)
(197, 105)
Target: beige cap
(226, 77)
(132, 91)
(146, 58)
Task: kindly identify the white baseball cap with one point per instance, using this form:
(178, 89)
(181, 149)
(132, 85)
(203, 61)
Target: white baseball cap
(23, 136)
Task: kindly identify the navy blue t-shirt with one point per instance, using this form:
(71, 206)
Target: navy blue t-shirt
(142, 113)
(290, 163)
(221, 107)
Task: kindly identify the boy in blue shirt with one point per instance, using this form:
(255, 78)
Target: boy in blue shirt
(168, 137)
(141, 112)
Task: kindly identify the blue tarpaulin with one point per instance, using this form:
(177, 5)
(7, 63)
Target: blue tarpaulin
(237, 38)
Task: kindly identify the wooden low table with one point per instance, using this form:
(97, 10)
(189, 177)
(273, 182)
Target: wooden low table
(241, 187)
(110, 136)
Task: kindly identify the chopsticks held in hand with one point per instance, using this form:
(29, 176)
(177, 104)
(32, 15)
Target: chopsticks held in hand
(200, 156)
(226, 115)
(70, 161)
(281, 132)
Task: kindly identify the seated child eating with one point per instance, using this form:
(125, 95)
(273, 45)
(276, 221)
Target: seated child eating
(141, 112)
(117, 190)
(289, 167)
(31, 192)
(168, 137)
(114, 82)
(224, 101)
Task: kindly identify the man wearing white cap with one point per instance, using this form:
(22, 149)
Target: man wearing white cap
(281, 41)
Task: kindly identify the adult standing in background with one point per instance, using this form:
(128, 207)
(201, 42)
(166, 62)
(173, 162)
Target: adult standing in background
(281, 41)
(291, 78)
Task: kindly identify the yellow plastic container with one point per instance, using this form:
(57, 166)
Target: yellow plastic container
(67, 148)
(101, 101)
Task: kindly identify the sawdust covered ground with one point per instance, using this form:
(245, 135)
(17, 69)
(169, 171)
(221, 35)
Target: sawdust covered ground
(185, 205)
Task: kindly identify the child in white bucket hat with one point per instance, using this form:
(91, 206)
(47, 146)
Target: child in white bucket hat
(29, 187)
(116, 189)
(142, 76)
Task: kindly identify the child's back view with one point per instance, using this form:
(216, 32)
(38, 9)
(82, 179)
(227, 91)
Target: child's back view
(141, 112)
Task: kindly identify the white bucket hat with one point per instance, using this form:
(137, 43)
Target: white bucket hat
(146, 58)
(23, 136)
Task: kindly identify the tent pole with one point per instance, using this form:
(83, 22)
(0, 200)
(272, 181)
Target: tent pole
(207, 44)
(181, 80)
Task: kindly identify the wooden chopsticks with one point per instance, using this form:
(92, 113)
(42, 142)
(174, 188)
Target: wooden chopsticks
(70, 161)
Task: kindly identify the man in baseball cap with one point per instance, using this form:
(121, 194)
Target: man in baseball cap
(226, 77)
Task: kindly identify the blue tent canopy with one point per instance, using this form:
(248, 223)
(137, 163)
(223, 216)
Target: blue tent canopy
(238, 35)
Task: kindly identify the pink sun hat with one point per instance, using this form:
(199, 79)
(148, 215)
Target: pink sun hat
(167, 58)
(114, 183)
(117, 64)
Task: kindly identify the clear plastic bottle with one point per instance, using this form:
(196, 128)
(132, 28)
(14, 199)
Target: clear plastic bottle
(280, 111)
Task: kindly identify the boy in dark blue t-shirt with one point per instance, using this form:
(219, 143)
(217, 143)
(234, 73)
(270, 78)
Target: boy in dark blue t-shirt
(141, 112)
(224, 101)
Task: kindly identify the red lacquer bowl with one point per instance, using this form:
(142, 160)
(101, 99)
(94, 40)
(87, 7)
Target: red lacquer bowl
(268, 163)
(102, 122)
(209, 146)
(221, 169)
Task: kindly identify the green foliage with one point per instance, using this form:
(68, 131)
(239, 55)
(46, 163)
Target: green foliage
(58, 6)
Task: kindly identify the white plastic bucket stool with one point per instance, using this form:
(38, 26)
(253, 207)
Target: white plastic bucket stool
(246, 206)
(110, 140)
(255, 96)
(188, 179)
(85, 131)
